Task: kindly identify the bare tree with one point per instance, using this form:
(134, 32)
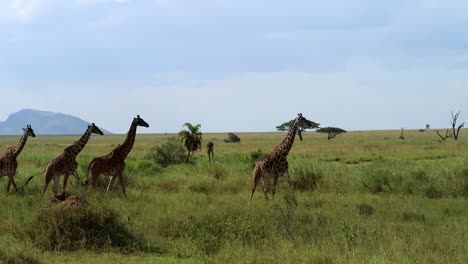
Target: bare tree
(453, 122)
(448, 134)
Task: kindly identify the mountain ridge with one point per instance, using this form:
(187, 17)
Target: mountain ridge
(44, 123)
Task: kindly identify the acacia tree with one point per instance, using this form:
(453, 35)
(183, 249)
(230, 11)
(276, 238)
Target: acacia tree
(332, 132)
(307, 125)
(192, 137)
(453, 122)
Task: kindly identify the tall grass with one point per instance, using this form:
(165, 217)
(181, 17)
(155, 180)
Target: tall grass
(356, 199)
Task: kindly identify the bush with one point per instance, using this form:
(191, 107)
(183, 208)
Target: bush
(169, 153)
(255, 155)
(232, 138)
(60, 228)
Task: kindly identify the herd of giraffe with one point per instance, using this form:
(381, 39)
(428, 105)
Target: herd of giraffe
(113, 164)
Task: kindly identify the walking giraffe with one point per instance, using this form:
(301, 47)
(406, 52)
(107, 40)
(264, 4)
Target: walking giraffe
(210, 151)
(113, 164)
(276, 164)
(8, 163)
(66, 164)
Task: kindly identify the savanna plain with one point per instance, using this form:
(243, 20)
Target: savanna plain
(363, 197)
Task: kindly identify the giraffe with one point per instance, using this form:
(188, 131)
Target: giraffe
(8, 163)
(276, 164)
(113, 164)
(210, 151)
(66, 163)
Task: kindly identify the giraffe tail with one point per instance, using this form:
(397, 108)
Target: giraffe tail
(30, 178)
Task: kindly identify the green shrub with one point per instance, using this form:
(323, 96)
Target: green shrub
(168, 153)
(67, 228)
(232, 138)
(255, 155)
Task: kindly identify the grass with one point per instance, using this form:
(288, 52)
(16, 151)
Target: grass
(363, 197)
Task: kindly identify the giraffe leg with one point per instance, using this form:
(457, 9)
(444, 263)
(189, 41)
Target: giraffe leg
(77, 177)
(65, 180)
(257, 177)
(14, 183)
(48, 178)
(265, 188)
(286, 175)
(94, 177)
(111, 182)
(275, 181)
(122, 184)
(8, 184)
(56, 184)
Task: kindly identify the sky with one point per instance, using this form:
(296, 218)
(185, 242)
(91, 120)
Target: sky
(237, 65)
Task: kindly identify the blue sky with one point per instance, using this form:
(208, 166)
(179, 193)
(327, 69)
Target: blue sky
(236, 65)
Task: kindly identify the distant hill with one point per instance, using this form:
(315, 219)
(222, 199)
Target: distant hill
(45, 123)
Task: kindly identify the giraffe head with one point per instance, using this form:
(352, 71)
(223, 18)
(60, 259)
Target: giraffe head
(301, 124)
(29, 131)
(140, 122)
(94, 129)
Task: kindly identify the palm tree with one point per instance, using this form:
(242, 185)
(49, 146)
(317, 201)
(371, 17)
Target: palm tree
(192, 138)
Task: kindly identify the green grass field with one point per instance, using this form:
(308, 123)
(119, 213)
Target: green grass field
(365, 197)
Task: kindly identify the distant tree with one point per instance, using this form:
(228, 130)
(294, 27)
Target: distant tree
(287, 125)
(402, 137)
(232, 138)
(332, 132)
(192, 138)
(453, 122)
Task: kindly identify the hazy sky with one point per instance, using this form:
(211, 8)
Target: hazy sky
(236, 65)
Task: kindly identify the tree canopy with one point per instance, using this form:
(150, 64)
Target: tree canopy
(331, 131)
(287, 125)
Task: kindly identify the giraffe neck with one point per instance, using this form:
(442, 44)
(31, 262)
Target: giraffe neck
(19, 147)
(127, 146)
(78, 146)
(286, 145)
